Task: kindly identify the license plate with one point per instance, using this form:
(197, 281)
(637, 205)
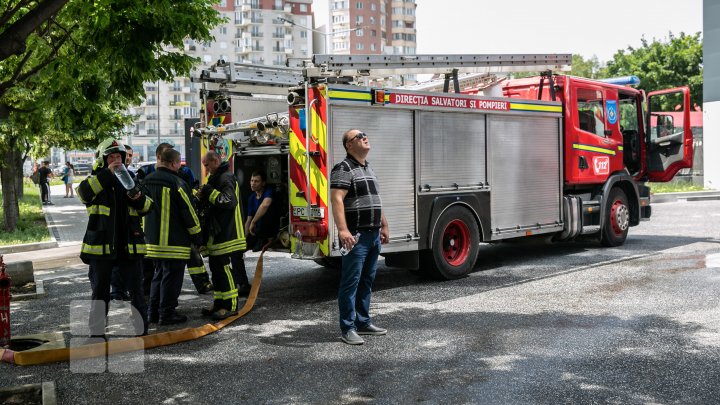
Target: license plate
(315, 212)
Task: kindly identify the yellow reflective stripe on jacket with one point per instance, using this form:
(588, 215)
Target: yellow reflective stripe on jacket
(95, 184)
(98, 210)
(95, 249)
(165, 217)
(168, 252)
(213, 196)
(197, 270)
(137, 249)
(195, 229)
(146, 207)
(133, 212)
(226, 247)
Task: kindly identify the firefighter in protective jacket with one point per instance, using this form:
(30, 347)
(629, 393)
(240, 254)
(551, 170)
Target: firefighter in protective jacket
(171, 230)
(114, 235)
(223, 233)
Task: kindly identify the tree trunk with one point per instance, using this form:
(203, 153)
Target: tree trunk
(8, 176)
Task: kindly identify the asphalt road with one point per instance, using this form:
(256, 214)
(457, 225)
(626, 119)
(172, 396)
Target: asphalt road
(535, 323)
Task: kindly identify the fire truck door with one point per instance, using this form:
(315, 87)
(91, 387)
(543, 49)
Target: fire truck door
(669, 143)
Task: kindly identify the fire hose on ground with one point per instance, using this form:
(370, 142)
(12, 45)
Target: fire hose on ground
(116, 346)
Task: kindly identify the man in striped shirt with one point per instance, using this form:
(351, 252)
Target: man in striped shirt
(357, 210)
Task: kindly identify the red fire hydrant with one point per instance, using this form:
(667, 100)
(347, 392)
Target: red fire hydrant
(5, 283)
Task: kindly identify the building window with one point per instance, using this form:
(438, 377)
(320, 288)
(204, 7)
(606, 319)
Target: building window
(372, 6)
(373, 33)
(278, 5)
(359, 46)
(372, 47)
(372, 20)
(303, 8)
(303, 34)
(359, 32)
(359, 5)
(359, 19)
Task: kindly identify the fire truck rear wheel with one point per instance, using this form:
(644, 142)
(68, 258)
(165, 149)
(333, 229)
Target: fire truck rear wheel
(455, 245)
(615, 229)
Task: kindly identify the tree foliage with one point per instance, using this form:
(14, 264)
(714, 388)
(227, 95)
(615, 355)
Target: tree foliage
(662, 64)
(69, 68)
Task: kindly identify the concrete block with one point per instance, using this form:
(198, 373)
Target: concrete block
(21, 272)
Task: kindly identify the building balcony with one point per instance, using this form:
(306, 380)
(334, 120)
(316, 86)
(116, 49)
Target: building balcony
(257, 20)
(151, 131)
(176, 117)
(243, 49)
(258, 48)
(278, 35)
(150, 118)
(278, 49)
(256, 34)
(150, 103)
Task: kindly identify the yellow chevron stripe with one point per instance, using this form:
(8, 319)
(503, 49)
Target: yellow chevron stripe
(535, 107)
(318, 181)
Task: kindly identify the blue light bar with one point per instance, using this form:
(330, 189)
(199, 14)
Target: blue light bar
(623, 80)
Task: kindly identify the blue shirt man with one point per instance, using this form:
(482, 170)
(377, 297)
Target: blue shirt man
(262, 222)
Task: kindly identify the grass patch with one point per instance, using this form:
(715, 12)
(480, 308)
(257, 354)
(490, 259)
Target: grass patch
(31, 226)
(674, 187)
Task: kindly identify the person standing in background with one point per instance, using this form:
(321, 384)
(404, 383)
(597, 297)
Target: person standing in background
(68, 177)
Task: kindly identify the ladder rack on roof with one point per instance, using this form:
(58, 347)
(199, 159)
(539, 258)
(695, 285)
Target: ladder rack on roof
(251, 78)
(321, 66)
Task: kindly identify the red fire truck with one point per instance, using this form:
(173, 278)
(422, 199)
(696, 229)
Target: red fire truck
(557, 155)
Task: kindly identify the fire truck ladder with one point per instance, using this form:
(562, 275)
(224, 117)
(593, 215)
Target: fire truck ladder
(249, 78)
(350, 66)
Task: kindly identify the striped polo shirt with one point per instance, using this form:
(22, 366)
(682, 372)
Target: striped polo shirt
(363, 207)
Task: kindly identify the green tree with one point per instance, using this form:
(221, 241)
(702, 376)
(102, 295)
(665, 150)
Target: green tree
(662, 64)
(580, 67)
(68, 68)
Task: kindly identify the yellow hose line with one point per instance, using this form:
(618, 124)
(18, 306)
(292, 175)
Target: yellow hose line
(114, 346)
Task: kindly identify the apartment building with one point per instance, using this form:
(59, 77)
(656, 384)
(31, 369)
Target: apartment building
(256, 31)
(372, 27)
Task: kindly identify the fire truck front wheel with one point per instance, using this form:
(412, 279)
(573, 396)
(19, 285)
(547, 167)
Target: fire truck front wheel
(455, 244)
(617, 220)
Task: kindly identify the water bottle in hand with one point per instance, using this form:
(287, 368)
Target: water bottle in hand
(344, 250)
(126, 180)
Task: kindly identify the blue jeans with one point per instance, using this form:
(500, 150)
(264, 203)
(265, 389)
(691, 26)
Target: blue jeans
(358, 273)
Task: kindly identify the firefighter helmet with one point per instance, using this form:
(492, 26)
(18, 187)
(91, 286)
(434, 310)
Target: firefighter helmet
(106, 148)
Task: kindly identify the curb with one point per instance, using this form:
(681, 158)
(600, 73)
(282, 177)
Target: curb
(685, 196)
(28, 247)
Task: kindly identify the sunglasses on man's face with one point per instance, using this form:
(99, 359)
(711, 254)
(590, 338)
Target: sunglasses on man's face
(359, 135)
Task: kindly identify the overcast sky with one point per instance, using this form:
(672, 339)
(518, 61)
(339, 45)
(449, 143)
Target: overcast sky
(532, 26)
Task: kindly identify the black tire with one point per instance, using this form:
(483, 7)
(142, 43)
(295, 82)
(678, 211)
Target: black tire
(455, 245)
(334, 263)
(617, 219)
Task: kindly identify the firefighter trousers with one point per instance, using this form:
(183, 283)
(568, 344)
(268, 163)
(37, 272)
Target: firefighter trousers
(196, 269)
(226, 293)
